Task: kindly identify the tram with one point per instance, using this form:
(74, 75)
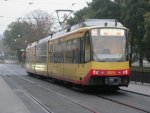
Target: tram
(91, 53)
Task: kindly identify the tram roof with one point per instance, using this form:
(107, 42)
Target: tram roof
(97, 22)
(89, 23)
(39, 42)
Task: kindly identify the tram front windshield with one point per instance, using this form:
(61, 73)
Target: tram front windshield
(108, 44)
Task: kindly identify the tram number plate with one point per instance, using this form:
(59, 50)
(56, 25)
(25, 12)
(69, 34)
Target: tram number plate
(112, 80)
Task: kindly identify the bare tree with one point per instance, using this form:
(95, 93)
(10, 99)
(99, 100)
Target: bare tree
(41, 23)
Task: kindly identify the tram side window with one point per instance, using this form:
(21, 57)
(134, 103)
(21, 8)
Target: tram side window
(75, 51)
(52, 53)
(59, 54)
(87, 47)
(72, 51)
(33, 54)
(81, 55)
(68, 52)
(38, 60)
(30, 55)
(55, 53)
(41, 53)
(65, 52)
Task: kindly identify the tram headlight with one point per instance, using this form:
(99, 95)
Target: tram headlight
(98, 72)
(95, 72)
(125, 72)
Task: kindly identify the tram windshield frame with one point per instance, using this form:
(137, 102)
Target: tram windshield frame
(109, 44)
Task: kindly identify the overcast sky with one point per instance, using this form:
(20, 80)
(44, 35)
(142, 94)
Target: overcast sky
(11, 10)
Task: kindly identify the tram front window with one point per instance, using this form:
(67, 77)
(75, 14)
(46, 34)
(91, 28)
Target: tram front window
(108, 45)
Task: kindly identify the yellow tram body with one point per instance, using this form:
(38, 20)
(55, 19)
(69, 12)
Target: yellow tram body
(60, 57)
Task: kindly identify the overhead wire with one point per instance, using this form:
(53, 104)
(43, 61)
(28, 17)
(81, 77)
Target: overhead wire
(70, 7)
(32, 2)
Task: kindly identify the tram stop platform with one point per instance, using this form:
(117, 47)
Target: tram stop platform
(9, 102)
(138, 88)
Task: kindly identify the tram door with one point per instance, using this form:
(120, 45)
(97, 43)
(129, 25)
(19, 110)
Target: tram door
(50, 59)
(85, 54)
(55, 60)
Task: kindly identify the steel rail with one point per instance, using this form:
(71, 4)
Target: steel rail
(87, 108)
(121, 103)
(35, 99)
(46, 109)
(135, 93)
(50, 90)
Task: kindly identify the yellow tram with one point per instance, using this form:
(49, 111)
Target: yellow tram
(91, 53)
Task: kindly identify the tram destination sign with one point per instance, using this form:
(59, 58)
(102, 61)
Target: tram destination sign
(111, 32)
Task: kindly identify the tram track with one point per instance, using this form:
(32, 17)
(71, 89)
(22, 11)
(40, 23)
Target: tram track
(71, 100)
(124, 104)
(76, 102)
(135, 93)
(36, 100)
(45, 108)
(54, 92)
